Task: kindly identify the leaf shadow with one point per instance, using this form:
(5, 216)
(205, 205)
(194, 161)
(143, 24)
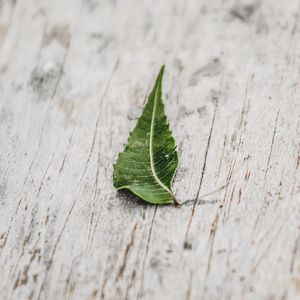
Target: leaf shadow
(128, 198)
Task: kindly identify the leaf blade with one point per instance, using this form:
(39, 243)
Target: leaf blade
(149, 162)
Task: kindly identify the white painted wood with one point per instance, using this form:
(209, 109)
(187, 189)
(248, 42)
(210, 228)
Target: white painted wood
(73, 75)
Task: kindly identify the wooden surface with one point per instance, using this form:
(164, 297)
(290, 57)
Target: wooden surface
(74, 75)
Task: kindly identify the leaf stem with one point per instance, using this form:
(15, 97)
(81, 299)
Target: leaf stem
(199, 199)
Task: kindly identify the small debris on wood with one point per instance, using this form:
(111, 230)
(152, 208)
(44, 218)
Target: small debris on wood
(134, 113)
(187, 245)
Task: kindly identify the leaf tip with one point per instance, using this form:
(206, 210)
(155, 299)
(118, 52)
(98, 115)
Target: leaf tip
(161, 72)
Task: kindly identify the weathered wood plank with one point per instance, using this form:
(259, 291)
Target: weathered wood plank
(73, 74)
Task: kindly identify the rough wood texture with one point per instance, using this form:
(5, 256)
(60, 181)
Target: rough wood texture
(73, 75)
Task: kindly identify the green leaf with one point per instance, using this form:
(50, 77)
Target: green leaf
(148, 164)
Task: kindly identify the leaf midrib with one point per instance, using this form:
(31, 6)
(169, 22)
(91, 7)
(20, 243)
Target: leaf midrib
(151, 140)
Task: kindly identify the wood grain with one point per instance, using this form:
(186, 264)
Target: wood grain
(74, 74)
